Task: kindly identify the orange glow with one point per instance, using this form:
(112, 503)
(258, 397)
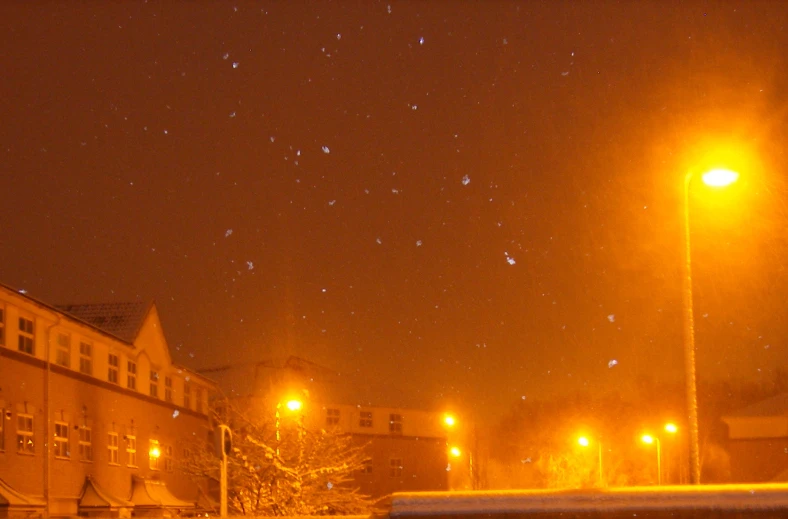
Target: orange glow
(647, 438)
(155, 452)
(583, 441)
(671, 428)
(720, 177)
(455, 451)
(449, 420)
(294, 405)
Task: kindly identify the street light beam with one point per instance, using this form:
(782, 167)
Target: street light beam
(720, 177)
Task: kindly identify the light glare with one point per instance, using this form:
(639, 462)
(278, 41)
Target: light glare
(294, 405)
(455, 451)
(449, 420)
(720, 177)
(671, 427)
(647, 438)
(583, 441)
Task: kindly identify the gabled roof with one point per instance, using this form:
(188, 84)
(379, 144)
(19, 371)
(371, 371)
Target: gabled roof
(123, 320)
(10, 498)
(771, 407)
(150, 493)
(94, 497)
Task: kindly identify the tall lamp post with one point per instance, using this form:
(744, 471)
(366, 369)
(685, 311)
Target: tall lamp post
(585, 442)
(647, 438)
(714, 178)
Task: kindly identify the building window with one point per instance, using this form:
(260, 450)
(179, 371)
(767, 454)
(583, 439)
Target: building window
(62, 448)
(168, 465)
(395, 423)
(154, 384)
(85, 358)
(198, 398)
(187, 395)
(395, 467)
(112, 448)
(168, 389)
(85, 444)
(131, 451)
(366, 419)
(2, 326)
(332, 416)
(2, 427)
(366, 467)
(63, 354)
(112, 372)
(154, 454)
(24, 434)
(131, 380)
(27, 338)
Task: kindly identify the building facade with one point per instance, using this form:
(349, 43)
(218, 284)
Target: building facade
(99, 381)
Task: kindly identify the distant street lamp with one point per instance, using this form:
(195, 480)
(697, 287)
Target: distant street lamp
(583, 441)
(647, 438)
(293, 406)
(455, 452)
(449, 420)
(717, 178)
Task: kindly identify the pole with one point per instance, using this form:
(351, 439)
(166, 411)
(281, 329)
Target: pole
(601, 477)
(689, 346)
(659, 462)
(48, 421)
(223, 485)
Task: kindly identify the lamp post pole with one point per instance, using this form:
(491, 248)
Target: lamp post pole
(689, 346)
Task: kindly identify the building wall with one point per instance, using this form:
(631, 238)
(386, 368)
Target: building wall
(83, 401)
(757, 460)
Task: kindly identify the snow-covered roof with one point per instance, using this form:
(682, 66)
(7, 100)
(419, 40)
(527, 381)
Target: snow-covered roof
(123, 320)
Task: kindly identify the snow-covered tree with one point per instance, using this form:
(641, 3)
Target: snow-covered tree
(287, 469)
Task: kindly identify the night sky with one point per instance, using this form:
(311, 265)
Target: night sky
(451, 203)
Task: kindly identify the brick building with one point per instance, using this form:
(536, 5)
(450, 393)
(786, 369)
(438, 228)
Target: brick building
(99, 381)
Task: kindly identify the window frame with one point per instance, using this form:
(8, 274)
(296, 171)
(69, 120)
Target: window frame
(167, 389)
(63, 350)
(61, 445)
(22, 433)
(113, 448)
(131, 375)
(85, 359)
(2, 429)
(154, 384)
(2, 325)
(395, 467)
(26, 342)
(168, 461)
(332, 416)
(131, 451)
(395, 423)
(366, 466)
(187, 394)
(153, 461)
(365, 419)
(85, 442)
(113, 368)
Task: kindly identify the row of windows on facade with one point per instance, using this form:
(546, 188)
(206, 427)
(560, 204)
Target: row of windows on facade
(26, 344)
(365, 420)
(61, 445)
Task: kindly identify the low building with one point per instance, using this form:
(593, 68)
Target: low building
(99, 381)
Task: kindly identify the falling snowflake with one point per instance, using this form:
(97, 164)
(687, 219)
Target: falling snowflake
(379, 241)
(613, 362)
(330, 485)
(339, 36)
(226, 55)
(232, 114)
(395, 190)
(227, 233)
(509, 259)
(421, 40)
(272, 138)
(175, 414)
(235, 64)
(565, 73)
(22, 291)
(250, 265)
(611, 318)
(326, 150)
(418, 243)
(332, 202)
(466, 180)
(388, 8)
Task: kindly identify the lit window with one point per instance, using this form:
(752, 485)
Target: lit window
(131, 380)
(395, 467)
(187, 395)
(154, 454)
(62, 448)
(154, 384)
(112, 447)
(24, 434)
(395, 423)
(366, 467)
(85, 358)
(168, 389)
(332, 416)
(112, 372)
(27, 338)
(63, 354)
(2, 326)
(131, 451)
(85, 444)
(168, 464)
(365, 419)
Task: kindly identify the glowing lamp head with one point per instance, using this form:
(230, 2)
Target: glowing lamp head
(294, 405)
(671, 428)
(455, 452)
(583, 441)
(720, 177)
(647, 438)
(155, 453)
(449, 420)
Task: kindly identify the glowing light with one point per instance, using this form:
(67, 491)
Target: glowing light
(720, 177)
(583, 441)
(455, 451)
(449, 420)
(155, 452)
(647, 438)
(294, 405)
(671, 428)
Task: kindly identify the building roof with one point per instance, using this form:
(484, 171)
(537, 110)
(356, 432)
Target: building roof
(774, 406)
(123, 320)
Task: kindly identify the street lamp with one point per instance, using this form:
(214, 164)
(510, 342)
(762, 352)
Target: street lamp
(449, 420)
(583, 441)
(717, 178)
(455, 452)
(293, 406)
(647, 438)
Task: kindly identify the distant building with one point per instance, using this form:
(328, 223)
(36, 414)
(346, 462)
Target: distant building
(408, 448)
(99, 381)
(758, 441)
